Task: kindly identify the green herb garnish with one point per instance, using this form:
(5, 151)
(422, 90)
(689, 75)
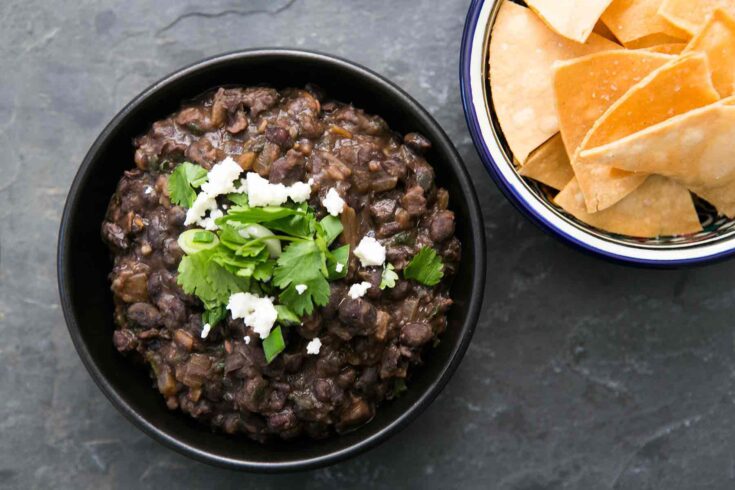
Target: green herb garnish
(389, 277)
(426, 267)
(273, 344)
(266, 251)
(302, 263)
(212, 283)
(182, 182)
(214, 315)
(286, 316)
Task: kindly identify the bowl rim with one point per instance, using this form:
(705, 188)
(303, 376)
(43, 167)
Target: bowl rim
(453, 163)
(480, 124)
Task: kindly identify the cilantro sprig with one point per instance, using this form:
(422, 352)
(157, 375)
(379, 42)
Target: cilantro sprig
(389, 276)
(426, 267)
(182, 182)
(263, 250)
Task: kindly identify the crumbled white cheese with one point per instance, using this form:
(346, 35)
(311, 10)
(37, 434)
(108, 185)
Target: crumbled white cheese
(221, 179)
(333, 202)
(202, 204)
(205, 330)
(258, 313)
(299, 192)
(339, 267)
(246, 339)
(359, 290)
(370, 252)
(300, 288)
(314, 346)
(208, 223)
(263, 193)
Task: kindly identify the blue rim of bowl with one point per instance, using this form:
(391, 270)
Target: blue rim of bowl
(626, 253)
(474, 220)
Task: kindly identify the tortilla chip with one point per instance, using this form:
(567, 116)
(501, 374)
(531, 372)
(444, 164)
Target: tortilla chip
(653, 40)
(694, 148)
(659, 207)
(675, 88)
(549, 164)
(586, 87)
(522, 52)
(673, 48)
(632, 20)
(691, 15)
(717, 41)
(573, 19)
(604, 31)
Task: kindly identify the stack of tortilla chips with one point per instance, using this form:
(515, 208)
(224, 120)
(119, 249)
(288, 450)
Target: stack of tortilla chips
(625, 107)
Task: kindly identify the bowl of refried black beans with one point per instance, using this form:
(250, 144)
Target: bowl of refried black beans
(271, 260)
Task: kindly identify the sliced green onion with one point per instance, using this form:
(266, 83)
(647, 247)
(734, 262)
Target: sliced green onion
(273, 344)
(259, 231)
(191, 241)
(203, 237)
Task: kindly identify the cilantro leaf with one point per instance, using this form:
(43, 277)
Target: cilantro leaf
(183, 180)
(286, 316)
(239, 199)
(341, 256)
(264, 271)
(214, 315)
(199, 274)
(425, 267)
(302, 263)
(317, 292)
(389, 277)
(331, 227)
(273, 344)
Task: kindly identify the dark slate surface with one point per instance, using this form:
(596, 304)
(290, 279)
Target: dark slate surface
(582, 374)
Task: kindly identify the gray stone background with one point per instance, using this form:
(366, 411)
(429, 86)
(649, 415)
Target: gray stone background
(582, 375)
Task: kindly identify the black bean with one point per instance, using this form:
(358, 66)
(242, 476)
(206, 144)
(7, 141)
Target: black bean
(144, 314)
(417, 142)
(416, 334)
(442, 226)
(114, 235)
(359, 315)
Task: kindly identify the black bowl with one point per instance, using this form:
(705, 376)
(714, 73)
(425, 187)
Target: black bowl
(83, 261)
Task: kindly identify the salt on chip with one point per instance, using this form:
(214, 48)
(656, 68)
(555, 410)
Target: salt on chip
(634, 20)
(573, 19)
(522, 52)
(549, 164)
(675, 88)
(717, 41)
(691, 15)
(659, 207)
(695, 149)
(671, 48)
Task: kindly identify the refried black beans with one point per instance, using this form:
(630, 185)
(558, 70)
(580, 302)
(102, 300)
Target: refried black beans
(368, 344)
